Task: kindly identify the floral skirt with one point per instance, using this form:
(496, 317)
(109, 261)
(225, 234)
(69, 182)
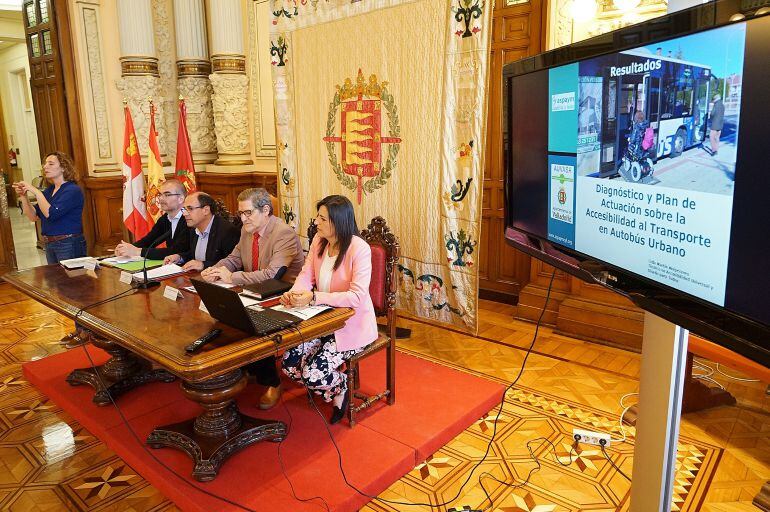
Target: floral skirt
(316, 364)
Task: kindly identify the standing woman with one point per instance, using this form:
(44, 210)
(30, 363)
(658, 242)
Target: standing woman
(59, 208)
(337, 272)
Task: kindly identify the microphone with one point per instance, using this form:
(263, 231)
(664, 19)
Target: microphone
(149, 284)
(279, 273)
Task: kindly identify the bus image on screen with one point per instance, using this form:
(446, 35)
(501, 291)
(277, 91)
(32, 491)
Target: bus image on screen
(664, 114)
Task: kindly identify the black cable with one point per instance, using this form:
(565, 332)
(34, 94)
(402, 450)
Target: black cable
(509, 387)
(128, 425)
(491, 439)
(607, 456)
(288, 429)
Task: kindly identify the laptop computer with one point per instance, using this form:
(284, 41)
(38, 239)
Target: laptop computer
(226, 306)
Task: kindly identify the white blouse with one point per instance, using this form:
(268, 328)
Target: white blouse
(325, 272)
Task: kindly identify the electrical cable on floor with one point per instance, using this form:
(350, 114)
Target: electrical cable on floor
(732, 377)
(283, 468)
(607, 456)
(128, 425)
(489, 444)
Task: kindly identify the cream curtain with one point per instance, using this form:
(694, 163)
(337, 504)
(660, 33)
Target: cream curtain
(384, 102)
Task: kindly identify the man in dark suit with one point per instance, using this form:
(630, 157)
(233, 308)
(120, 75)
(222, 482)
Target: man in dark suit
(170, 200)
(212, 237)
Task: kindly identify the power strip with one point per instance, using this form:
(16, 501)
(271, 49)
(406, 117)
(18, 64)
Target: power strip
(588, 437)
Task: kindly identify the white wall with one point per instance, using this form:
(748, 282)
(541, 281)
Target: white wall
(18, 113)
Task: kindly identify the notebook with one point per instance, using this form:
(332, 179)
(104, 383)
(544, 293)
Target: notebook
(268, 288)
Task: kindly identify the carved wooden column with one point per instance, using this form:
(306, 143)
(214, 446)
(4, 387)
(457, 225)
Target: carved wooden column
(193, 69)
(139, 68)
(122, 372)
(230, 83)
(220, 430)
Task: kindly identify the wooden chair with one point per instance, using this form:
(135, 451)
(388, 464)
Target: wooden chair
(225, 213)
(382, 289)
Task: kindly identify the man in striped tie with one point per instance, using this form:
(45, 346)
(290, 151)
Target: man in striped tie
(267, 244)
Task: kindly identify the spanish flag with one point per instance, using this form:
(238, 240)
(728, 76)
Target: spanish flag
(155, 174)
(134, 207)
(185, 168)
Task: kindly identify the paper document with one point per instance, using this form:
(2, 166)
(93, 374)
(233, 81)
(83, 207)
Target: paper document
(248, 301)
(304, 312)
(121, 259)
(160, 272)
(77, 262)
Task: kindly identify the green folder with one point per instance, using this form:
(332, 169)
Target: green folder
(136, 266)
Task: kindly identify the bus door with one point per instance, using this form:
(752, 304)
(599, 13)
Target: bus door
(700, 109)
(633, 98)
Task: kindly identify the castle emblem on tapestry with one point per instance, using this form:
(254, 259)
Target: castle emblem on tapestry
(365, 159)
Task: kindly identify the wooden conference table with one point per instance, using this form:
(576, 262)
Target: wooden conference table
(146, 333)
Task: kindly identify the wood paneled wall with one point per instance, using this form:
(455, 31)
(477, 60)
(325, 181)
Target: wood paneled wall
(581, 310)
(516, 33)
(227, 186)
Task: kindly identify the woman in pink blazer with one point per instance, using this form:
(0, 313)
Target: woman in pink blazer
(337, 272)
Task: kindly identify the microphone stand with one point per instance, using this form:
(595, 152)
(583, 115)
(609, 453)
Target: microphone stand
(145, 284)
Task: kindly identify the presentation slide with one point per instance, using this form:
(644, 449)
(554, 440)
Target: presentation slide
(642, 152)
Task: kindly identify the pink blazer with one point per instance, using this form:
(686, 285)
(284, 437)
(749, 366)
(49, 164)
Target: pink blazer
(349, 288)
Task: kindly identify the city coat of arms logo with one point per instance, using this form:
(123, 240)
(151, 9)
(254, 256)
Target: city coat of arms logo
(364, 163)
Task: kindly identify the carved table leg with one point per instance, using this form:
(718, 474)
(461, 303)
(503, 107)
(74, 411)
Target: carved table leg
(75, 338)
(762, 500)
(220, 430)
(121, 373)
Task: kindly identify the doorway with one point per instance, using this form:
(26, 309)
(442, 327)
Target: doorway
(20, 148)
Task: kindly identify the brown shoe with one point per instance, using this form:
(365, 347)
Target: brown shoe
(270, 397)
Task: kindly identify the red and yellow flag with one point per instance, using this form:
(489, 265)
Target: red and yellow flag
(185, 168)
(134, 206)
(155, 174)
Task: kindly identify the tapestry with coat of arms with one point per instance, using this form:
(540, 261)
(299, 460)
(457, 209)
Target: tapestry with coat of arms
(383, 101)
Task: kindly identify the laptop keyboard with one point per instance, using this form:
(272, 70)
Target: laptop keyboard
(268, 321)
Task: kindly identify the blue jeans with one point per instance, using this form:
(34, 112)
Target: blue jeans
(66, 248)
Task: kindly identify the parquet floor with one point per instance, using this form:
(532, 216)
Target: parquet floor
(49, 462)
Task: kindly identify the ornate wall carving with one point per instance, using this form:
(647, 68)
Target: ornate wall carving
(137, 91)
(196, 92)
(229, 101)
(563, 30)
(255, 52)
(166, 123)
(96, 79)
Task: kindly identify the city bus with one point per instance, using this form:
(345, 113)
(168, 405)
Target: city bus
(672, 93)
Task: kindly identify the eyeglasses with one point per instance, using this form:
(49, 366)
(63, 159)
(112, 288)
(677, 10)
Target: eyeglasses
(168, 194)
(191, 208)
(249, 213)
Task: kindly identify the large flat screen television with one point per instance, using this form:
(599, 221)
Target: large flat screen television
(641, 160)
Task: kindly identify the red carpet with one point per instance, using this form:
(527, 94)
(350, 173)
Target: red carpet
(433, 405)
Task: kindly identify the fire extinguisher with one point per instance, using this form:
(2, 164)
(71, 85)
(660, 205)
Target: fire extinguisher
(12, 157)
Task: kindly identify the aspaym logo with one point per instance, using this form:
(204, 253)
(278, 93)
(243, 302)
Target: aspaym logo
(563, 101)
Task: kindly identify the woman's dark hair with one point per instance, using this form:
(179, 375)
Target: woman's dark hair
(344, 221)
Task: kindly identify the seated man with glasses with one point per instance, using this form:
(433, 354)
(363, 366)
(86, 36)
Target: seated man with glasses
(212, 238)
(267, 243)
(170, 199)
